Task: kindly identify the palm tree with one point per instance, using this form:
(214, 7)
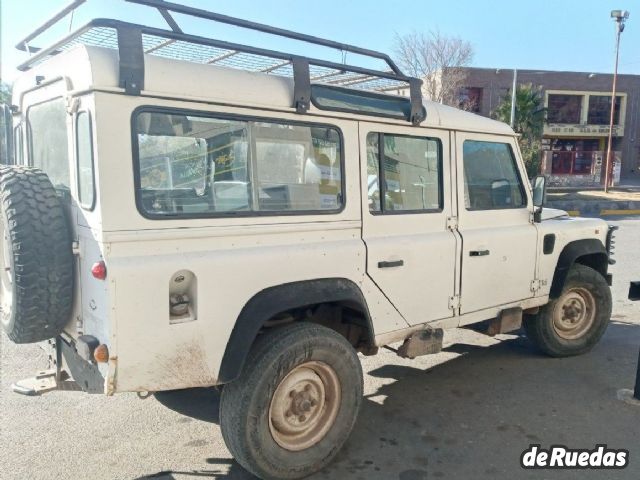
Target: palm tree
(5, 93)
(529, 122)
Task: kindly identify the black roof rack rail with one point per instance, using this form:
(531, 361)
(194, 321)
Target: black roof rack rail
(133, 41)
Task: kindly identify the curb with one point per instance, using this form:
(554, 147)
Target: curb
(602, 213)
(596, 208)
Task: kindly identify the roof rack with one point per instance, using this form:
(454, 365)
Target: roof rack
(133, 41)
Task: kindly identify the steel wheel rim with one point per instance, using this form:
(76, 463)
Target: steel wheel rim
(304, 406)
(6, 275)
(574, 313)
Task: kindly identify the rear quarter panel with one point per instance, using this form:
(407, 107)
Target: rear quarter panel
(232, 259)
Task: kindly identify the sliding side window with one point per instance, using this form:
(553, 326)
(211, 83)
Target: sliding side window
(491, 178)
(196, 165)
(404, 174)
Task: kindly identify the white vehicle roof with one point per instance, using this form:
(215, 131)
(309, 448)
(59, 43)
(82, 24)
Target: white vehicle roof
(88, 68)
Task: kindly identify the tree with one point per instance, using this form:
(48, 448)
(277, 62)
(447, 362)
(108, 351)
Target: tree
(5, 93)
(438, 60)
(529, 122)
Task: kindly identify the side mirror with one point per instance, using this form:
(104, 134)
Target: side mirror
(539, 196)
(6, 135)
(539, 190)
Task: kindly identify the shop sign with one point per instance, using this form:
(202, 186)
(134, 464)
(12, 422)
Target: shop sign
(583, 129)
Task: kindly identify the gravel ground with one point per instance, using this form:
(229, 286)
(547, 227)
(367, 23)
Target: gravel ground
(468, 412)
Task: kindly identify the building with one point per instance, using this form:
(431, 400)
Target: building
(577, 120)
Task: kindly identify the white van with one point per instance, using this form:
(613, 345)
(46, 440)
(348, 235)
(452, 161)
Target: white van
(179, 211)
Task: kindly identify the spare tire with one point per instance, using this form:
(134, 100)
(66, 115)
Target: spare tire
(36, 263)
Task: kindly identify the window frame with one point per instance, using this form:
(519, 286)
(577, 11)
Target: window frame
(581, 107)
(514, 161)
(88, 207)
(612, 105)
(231, 117)
(18, 144)
(382, 184)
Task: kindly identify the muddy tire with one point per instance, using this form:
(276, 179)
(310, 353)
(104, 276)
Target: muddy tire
(294, 404)
(575, 321)
(36, 284)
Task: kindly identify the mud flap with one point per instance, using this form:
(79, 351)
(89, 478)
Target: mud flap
(424, 342)
(508, 320)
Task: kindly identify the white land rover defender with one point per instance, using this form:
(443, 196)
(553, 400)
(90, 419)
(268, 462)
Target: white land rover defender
(179, 211)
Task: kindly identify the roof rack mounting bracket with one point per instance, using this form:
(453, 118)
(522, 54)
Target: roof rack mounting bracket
(301, 84)
(131, 53)
(417, 113)
(170, 20)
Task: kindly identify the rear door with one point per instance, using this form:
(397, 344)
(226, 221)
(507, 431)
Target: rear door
(411, 254)
(495, 221)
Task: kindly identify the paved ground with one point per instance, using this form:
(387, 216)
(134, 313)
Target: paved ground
(595, 203)
(466, 413)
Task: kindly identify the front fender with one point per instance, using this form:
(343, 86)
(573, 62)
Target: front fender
(589, 251)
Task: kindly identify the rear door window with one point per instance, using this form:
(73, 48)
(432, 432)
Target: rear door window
(48, 140)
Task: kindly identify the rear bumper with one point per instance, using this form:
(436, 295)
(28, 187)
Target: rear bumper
(634, 291)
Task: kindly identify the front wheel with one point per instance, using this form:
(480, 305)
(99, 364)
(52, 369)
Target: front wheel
(294, 404)
(575, 321)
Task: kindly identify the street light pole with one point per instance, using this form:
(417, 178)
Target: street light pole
(636, 389)
(620, 16)
(513, 98)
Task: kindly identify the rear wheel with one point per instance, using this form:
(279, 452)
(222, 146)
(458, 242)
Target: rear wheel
(575, 321)
(295, 402)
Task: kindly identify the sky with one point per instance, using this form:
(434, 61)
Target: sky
(573, 35)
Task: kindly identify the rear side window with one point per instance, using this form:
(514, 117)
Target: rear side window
(342, 99)
(197, 165)
(491, 178)
(404, 174)
(84, 152)
(48, 141)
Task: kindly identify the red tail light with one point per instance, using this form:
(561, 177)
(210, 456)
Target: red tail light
(99, 270)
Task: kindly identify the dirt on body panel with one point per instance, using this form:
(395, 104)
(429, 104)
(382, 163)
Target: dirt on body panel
(187, 367)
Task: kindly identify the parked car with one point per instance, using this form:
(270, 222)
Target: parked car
(171, 220)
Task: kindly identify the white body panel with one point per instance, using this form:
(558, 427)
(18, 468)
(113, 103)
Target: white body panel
(507, 235)
(420, 288)
(233, 259)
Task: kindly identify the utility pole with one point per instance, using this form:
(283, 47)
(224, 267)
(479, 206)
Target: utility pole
(619, 16)
(636, 390)
(513, 98)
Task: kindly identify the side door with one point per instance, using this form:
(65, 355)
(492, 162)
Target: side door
(499, 239)
(406, 195)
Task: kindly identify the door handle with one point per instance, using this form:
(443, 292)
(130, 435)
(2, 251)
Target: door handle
(395, 263)
(478, 253)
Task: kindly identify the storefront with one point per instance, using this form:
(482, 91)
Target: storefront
(575, 137)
